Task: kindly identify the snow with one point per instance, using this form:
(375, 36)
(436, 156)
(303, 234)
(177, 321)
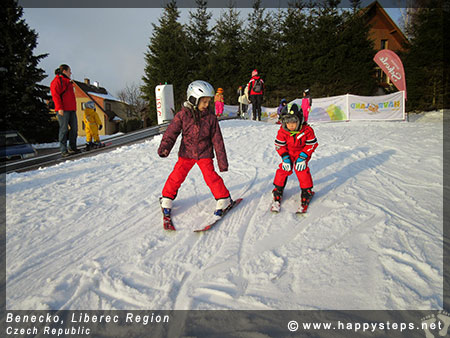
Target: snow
(87, 234)
(105, 96)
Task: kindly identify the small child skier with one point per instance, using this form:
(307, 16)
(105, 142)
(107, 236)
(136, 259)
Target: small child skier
(200, 134)
(295, 143)
(92, 124)
(306, 104)
(219, 102)
(283, 104)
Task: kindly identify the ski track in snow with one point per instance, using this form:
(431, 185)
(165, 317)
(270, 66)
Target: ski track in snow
(87, 234)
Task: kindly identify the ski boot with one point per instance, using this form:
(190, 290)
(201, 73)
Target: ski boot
(89, 146)
(307, 195)
(277, 193)
(166, 208)
(221, 205)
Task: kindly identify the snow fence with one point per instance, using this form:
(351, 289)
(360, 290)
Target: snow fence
(341, 108)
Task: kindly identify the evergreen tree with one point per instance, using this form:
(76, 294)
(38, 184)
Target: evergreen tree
(295, 51)
(342, 55)
(227, 53)
(260, 47)
(167, 59)
(200, 37)
(22, 98)
(425, 67)
(355, 52)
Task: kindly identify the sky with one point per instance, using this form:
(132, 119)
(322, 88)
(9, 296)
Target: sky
(106, 45)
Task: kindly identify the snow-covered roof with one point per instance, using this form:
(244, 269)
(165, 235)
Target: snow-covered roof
(117, 118)
(105, 96)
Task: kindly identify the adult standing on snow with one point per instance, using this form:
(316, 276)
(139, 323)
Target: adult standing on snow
(306, 104)
(256, 94)
(63, 96)
(200, 135)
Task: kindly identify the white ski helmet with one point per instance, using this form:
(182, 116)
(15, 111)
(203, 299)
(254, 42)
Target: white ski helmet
(198, 89)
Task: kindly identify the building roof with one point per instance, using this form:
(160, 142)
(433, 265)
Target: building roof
(90, 89)
(376, 9)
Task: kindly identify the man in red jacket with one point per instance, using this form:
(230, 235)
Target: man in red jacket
(66, 107)
(200, 135)
(255, 94)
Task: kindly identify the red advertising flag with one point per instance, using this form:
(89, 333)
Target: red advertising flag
(391, 64)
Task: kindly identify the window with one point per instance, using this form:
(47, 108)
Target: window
(107, 106)
(384, 44)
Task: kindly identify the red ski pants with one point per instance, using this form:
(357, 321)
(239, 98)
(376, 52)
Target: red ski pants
(182, 168)
(304, 177)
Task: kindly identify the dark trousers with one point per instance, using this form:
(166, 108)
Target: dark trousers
(69, 119)
(256, 101)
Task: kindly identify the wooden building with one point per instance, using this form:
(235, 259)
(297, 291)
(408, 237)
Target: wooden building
(385, 34)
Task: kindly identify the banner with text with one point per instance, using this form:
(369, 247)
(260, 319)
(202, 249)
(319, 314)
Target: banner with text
(340, 108)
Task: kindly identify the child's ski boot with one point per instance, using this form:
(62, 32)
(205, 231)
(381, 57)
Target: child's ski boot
(307, 195)
(221, 205)
(166, 208)
(89, 146)
(277, 193)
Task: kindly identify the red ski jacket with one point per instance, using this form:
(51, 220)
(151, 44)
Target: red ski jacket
(251, 84)
(200, 134)
(63, 94)
(294, 143)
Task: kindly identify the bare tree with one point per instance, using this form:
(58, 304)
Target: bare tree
(132, 95)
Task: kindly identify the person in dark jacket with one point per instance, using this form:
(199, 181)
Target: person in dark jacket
(255, 94)
(201, 135)
(63, 96)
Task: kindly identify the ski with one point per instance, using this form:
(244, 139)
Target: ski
(304, 207)
(209, 226)
(98, 146)
(167, 223)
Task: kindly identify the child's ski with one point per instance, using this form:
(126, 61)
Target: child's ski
(304, 207)
(167, 221)
(231, 206)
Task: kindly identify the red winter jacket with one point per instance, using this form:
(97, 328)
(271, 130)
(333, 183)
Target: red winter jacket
(198, 138)
(251, 83)
(303, 141)
(63, 94)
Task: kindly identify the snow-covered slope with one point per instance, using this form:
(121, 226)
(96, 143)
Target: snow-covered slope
(87, 234)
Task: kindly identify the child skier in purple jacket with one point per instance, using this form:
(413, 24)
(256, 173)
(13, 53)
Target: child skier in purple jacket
(200, 134)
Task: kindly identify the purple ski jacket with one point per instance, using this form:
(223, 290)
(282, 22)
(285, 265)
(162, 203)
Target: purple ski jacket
(200, 134)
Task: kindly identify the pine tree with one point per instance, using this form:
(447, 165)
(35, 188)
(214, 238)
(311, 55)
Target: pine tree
(355, 52)
(295, 51)
(22, 98)
(200, 37)
(342, 52)
(425, 67)
(227, 54)
(167, 59)
(260, 47)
